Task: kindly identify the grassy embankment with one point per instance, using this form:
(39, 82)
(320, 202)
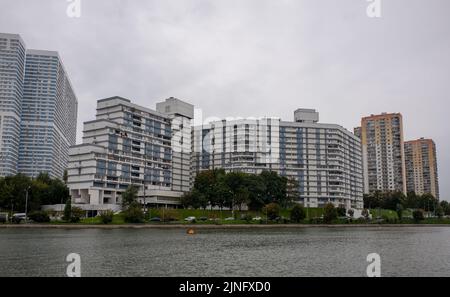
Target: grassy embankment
(213, 216)
(216, 217)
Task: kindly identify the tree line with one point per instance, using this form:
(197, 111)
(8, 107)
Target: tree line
(398, 200)
(42, 190)
(216, 188)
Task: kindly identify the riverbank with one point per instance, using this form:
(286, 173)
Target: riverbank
(212, 227)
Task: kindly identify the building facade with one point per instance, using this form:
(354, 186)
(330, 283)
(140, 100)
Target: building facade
(128, 145)
(12, 68)
(181, 115)
(383, 153)
(38, 110)
(49, 116)
(421, 167)
(324, 159)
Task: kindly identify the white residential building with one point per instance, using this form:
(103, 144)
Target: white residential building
(324, 159)
(128, 145)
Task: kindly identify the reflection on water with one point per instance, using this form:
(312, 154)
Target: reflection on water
(268, 252)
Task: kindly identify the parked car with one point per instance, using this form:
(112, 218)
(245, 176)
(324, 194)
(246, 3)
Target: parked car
(257, 219)
(19, 217)
(203, 219)
(155, 220)
(229, 219)
(4, 217)
(190, 219)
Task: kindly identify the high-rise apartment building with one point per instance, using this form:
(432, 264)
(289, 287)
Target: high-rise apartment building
(38, 110)
(421, 167)
(12, 68)
(323, 159)
(49, 115)
(128, 144)
(383, 153)
(181, 115)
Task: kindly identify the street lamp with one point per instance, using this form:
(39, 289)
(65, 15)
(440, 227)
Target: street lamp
(26, 204)
(145, 173)
(232, 203)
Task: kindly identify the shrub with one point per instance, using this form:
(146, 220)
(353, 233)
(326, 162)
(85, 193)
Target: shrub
(400, 211)
(77, 214)
(169, 215)
(315, 220)
(39, 217)
(361, 220)
(134, 215)
(365, 213)
(4, 218)
(67, 211)
(286, 220)
(418, 215)
(351, 213)
(330, 213)
(341, 211)
(247, 218)
(272, 211)
(298, 213)
(107, 217)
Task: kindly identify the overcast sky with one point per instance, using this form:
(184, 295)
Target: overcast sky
(255, 57)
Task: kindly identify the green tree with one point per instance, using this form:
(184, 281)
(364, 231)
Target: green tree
(134, 214)
(351, 213)
(19, 185)
(65, 176)
(77, 214)
(129, 196)
(107, 217)
(298, 213)
(276, 187)
(39, 217)
(365, 213)
(44, 178)
(341, 211)
(7, 199)
(222, 194)
(257, 190)
(427, 202)
(43, 190)
(373, 200)
(418, 215)
(68, 211)
(330, 213)
(392, 199)
(235, 182)
(400, 211)
(186, 200)
(206, 183)
(445, 207)
(58, 192)
(292, 190)
(242, 197)
(412, 200)
(272, 211)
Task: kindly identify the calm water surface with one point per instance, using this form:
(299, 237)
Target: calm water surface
(269, 252)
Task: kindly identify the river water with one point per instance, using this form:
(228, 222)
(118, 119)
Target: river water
(404, 251)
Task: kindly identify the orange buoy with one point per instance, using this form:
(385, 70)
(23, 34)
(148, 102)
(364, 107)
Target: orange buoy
(191, 232)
